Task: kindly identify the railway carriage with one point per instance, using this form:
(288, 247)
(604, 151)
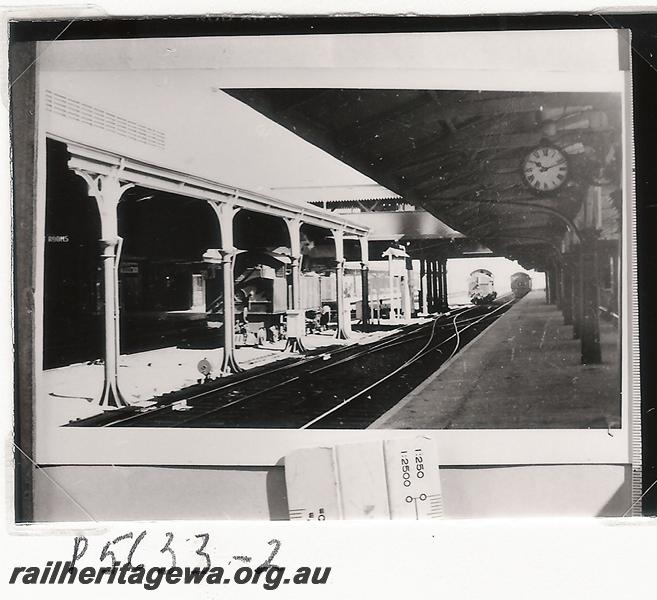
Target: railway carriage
(521, 284)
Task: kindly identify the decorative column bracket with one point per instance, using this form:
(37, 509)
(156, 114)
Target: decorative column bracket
(107, 189)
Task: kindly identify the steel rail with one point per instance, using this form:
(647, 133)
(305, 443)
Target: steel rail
(408, 363)
(206, 394)
(411, 336)
(359, 355)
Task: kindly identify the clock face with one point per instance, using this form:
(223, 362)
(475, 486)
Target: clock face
(545, 169)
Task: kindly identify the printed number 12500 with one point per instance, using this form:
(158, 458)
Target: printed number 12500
(409, 469)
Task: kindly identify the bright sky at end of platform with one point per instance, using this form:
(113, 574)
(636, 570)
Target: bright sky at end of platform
(459, 269)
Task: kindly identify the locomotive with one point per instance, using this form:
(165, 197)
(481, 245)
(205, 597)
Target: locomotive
(521, 284)
(481, 287)
(263, 293)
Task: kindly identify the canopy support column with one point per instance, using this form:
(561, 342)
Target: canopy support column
(577, 293)
(438, 287)
(549, 289)
(567, 292)
(391, 288)
(296, 318)
(405, 293)
(225, 213)
(547, 285)
(431, 286)
(365, 280)
(107, 190)
(615, 284)
(438, 274)
(590, 328)
(423, 287)
(444, 304)
(338, 236)
(560, 285)
(555, 284)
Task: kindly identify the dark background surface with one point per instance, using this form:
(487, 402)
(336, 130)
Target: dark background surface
(644, 65)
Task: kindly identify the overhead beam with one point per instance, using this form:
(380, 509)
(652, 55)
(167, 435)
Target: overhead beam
(159, 178)
(456, 142)
(515, 103)
(486, 181)
(417, 101)
(432, 113)
(424, 107)
(534, 207)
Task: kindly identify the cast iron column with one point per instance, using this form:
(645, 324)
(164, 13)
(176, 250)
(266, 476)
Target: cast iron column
(365, 280)
(225, 213)
(422, 285)
(107, 190)
(567, 292)
(427, 282)
(438, 278)
(444, 303)
(547, 285)
(338, 236)
(557, 284)
(577, 293)
(434, 287)
(553, 284)
(560, 285)
(405, 292)
(296, 318)
(229, 363)
(590, 327)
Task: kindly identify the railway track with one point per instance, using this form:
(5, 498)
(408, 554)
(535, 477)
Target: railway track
(242, 382)
(344, 387)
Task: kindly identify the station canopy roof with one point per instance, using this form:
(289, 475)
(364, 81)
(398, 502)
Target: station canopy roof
(458, 154)
(422, 116)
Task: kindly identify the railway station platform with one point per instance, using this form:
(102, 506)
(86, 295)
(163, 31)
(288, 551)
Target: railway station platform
(72, 391)
(523, 372)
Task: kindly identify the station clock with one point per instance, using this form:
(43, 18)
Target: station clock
(545, 169)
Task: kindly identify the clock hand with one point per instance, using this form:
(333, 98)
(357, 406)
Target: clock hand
(556, 164)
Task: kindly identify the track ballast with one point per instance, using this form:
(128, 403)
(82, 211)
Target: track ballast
(347, 387)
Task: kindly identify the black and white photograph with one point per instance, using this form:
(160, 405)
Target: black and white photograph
(251, 249)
